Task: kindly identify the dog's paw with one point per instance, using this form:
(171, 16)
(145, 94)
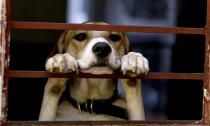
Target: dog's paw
(61, 63)
(134, 63)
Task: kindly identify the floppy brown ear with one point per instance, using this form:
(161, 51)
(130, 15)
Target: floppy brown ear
(61, 42)
(59, 47)
(126, 43)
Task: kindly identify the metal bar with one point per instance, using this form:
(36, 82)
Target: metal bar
(206, 106)
(65, 26)
(144, 123)
(6, 44)
(43, 74)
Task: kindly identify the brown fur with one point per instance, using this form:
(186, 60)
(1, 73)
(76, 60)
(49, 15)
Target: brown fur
(72, 54)
(66, 40)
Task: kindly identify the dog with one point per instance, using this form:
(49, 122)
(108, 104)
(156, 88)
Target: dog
(95, 52)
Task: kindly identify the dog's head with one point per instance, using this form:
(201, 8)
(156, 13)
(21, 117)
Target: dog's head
(97, 52)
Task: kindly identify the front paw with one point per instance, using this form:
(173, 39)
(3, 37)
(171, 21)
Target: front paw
(134, 63)
(61, 63)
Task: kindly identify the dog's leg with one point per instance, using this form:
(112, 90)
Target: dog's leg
(136, 64)
(134, 102)
(52, 93)
(60, 63)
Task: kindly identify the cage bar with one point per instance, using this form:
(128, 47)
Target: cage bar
(118, 123)
(43, 74)
(206, 105)
(63, 26)
(66, 26)
(5, 11)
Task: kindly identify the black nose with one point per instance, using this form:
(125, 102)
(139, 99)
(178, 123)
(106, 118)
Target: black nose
(101, 49)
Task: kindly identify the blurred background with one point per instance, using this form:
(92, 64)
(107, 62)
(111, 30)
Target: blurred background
(163, 99)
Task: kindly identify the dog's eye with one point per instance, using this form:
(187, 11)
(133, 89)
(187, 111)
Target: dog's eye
(114, 38)
(80, 36)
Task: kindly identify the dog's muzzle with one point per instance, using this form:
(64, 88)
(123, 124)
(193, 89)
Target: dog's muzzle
(99, 57)
(101, 50)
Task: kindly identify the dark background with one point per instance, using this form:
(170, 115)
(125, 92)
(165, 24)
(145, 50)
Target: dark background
(29, 49)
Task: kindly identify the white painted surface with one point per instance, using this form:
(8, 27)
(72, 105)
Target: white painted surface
(2, 47)
(1, 81)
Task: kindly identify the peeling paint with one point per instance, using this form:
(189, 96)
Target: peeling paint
(209, 61)
(2, 50)
(1, 81)
(206, 95)
(1, 84)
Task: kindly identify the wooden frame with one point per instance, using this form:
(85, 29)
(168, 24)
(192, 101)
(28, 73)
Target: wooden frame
(5, 73)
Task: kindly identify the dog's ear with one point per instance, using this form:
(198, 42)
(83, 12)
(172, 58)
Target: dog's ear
(59, 47)
(61, 41)
(126, 43)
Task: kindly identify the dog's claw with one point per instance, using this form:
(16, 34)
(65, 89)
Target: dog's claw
(124, 72)
(133, 70)
(138, 71)
(73, 68)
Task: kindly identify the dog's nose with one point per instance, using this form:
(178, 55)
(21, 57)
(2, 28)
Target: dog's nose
(101, 49)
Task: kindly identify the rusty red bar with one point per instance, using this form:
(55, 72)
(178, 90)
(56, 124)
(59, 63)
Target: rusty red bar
(118, 123)
(62, 26)
(65, 26)
(206, 105)
(6, 63)
(43, 74)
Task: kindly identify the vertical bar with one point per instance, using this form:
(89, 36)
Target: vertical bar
(206, 107)
(2, 30)
(5, 59)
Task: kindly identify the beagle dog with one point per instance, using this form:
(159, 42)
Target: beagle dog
(95, 52)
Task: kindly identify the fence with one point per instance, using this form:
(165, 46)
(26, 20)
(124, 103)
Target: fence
(5, 73)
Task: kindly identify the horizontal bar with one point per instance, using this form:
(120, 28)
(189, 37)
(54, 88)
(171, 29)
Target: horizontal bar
(133, 123)
(43, 74)
(125, 28)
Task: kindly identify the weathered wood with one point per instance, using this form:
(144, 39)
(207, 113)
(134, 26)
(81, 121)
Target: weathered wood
(2, 54)
(4, 62)
(206, 110)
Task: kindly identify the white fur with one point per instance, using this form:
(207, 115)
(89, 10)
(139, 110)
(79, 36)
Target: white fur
(50, 100)
(92, 89)
(88, 57)
(135, 63)
(134, 101)
(61, 63)
(83, 89)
